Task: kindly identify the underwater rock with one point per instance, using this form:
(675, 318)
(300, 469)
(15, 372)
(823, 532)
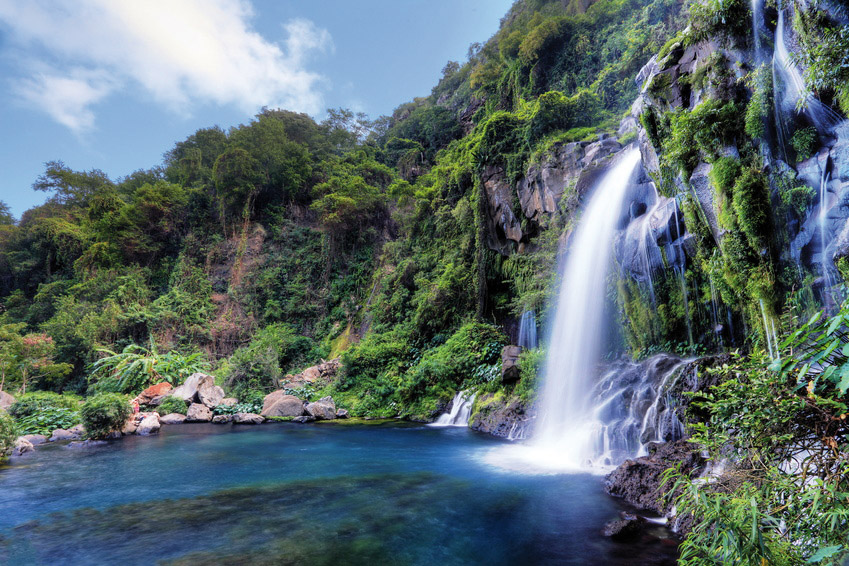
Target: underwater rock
(323, 409)
(172, 418)
(639, 481)
(510, 363)
(627, 527)
(198, 413)
(248, 419)
(279, 404)
(6, 400)
(86, 443)
(149, 425)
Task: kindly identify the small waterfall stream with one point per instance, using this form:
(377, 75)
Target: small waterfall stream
(461, 410)
(528, 330)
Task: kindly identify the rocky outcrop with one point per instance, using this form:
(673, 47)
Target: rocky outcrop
(507, 418)
(172, 419)
(157, 391)
(626, 528)
(639, 481)
(280, 404)
(198, 413)
(323, 409)
(319, 374)
(248, 419)
(510, 363)
(6, 401)
(148, 425)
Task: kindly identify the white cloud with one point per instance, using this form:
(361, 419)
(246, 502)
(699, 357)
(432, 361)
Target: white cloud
(181, 52)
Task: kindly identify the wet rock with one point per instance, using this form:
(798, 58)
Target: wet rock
(62, 434)
(209, 394)
(198, 413)
(222, 419)
(159, 390)
(248, 419)
(282, 405)
(507, 418)
(21, 447)
(504, 229)
(323, 409)
(6, 401)
(172, 419)
(639, 481)
(510, 363)
(303, 419)
(149, 425)
(341, 414)
(627, 527)
(35, 439)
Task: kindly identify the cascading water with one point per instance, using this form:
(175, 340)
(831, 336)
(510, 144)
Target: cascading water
(528, 330)
(461, 410)
(565, 428)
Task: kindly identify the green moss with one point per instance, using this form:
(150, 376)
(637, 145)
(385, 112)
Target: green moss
(752, 205)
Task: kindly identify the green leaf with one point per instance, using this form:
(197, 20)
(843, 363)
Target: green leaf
(824, 553)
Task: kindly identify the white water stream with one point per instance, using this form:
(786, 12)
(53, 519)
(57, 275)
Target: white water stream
(461, 410)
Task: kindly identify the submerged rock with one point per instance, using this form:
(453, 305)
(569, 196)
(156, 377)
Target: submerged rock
(627, 527)
(86, 443)
(172, 418)
(198, 413)
(323, 409)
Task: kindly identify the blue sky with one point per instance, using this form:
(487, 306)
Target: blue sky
(112, 84)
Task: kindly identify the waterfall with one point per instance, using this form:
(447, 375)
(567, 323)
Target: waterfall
(565, 424)
(461, 410)
(756, 29)
(528, 330)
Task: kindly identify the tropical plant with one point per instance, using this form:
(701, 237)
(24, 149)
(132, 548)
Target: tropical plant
(47, 420)
(104, 413)
(135, 368)
(8, 435)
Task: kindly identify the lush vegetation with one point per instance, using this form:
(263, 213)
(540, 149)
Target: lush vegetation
(105, 413)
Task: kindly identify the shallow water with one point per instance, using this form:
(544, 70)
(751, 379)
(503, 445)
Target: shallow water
(388, 493)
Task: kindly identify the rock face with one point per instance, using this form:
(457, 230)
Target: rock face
(172, 418)
(198, 413)
(22, 446)
(248, 418)
(209, 394)
(279, 404)
(35, 439)
(62, 434)
(323, 409)
(510, 419)
(149, 425)
(152, 392)
(639, 481)
(510, 363)
(6, 400)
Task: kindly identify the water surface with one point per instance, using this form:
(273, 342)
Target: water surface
(332, 493)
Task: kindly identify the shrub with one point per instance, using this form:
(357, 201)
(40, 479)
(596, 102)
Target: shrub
(8, 435)
(530, 364)
(172, 404)
(805, 141)
(104, 413)
(752, 205)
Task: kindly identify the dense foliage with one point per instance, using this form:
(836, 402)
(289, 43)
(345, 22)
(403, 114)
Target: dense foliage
(105, 413)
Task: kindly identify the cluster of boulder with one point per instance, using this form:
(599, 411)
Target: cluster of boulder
(281, 404)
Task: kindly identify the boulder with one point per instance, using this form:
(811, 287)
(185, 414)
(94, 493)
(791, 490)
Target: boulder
(149, 425)
(323, 409)
(507, 418)
(172, 418)
(148, 395)
(639, 481)
(228, 401)
(22, 446)
(210, 394)
(6, 400)
(78, 429)
(248, 418)
(284, 406)
(320, 374)
(188, 391)
(303, 419)
(131, 426)
(510, 363)
(222, 419)
(35, 439)
(272, 398)
(341, 414)
(198, 413)
(62, 434)
(627, 527)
